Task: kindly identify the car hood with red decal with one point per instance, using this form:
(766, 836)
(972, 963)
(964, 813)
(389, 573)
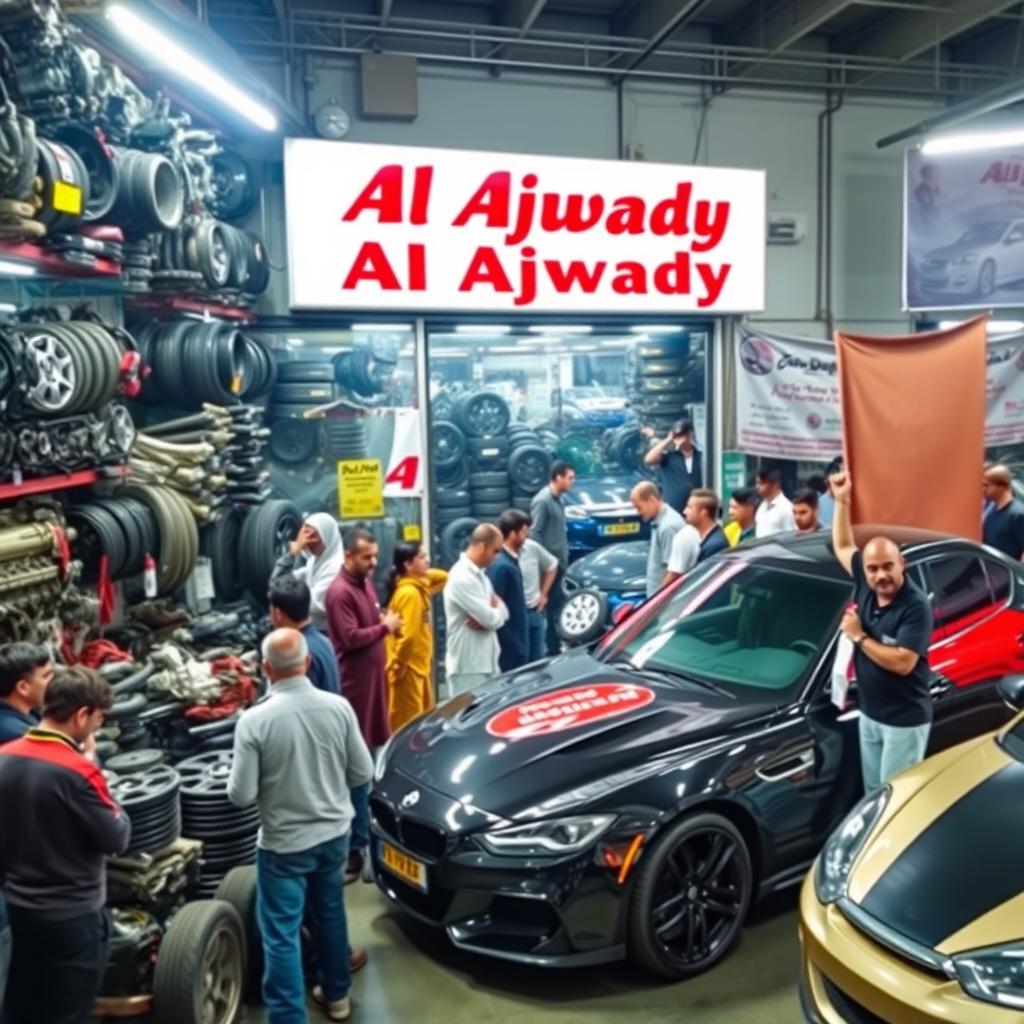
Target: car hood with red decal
(536, 734)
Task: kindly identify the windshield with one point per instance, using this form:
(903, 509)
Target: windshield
(744, 626)
(988, 232)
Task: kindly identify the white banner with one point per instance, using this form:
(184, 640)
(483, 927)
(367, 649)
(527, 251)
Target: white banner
(409, 228)
(404, 477)
(787, 396)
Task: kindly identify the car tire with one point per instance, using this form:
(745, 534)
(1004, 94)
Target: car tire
(489, 510)
(583, 617)
(728, 871)
(455, 536)
(674, 347)
(489, 495)
(663, 367)
(293, 440)
(180, 981)
(452, 498)
(305, 371)
(238, 887)
(448, 444)
(295, 394)
(488, 479)
(487, 448)
(529, 467)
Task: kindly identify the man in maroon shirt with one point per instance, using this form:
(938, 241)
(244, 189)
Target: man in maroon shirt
(357, 630)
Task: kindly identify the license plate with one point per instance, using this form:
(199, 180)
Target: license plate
(407, 868)
(617, 529)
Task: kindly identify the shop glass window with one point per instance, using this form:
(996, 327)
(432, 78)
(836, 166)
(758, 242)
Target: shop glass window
(998, 581)
(960, 592)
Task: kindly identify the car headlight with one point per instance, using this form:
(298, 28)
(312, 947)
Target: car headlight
(552, 838)
(833, 868)
(576, 512)
(967, 257)
(995, 975)
(382, 759)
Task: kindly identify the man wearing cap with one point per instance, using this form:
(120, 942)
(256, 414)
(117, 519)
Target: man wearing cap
(678, 462)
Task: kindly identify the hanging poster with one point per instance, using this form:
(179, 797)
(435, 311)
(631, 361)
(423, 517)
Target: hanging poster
(963, 230)
(360, 489)
(787, 396)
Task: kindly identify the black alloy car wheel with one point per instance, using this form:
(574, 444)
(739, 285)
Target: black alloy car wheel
(692, 893)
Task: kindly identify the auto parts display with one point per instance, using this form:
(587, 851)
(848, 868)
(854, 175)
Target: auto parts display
(150, 799)
(266, 535)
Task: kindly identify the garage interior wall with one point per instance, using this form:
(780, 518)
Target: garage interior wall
(565, 116)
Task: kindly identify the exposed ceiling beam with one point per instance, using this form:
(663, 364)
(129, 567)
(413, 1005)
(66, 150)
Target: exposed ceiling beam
(905, 35)
(783, 25)
(386, 7)
(655, 20)
(521, 15)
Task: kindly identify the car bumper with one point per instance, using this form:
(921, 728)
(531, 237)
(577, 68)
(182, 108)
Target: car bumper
(847, 978)
(560, 914)
(955, 282)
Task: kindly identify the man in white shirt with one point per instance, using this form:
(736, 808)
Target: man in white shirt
(539, 568)
(665, 523)
(684, 554)
(775, 513)
(473, 613)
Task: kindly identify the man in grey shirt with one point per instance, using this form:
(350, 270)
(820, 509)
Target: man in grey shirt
(298, 754)
(540, 570)
(665, 523)
(547, 525)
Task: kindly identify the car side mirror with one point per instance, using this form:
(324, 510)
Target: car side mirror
(1011, 689)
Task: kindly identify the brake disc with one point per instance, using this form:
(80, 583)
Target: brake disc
(52, 371)
(121, 429)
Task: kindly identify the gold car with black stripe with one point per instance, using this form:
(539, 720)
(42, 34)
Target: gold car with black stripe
(914, 911)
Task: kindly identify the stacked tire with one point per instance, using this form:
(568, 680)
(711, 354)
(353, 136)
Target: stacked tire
(625, 447)
(663, 379)
(301, 385)
(529, 465)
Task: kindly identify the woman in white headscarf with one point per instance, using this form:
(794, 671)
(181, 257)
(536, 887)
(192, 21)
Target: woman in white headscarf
(319, 546)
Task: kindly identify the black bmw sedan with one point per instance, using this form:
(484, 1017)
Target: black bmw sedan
(636, 797)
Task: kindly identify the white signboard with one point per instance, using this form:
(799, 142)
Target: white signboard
(400, 228)
(787, 396)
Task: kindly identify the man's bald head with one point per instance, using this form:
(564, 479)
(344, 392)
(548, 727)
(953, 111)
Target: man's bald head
(998, 484)
(883, 567)
(484, 544)
(646, 499)
(285, 654)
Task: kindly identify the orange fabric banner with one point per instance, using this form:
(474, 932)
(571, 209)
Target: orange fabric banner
(914, 427)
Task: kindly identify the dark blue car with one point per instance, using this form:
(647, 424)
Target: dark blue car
(598, 585)
(598, 512)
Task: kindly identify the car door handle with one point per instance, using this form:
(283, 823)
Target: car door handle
(939, 686)
(795, 765)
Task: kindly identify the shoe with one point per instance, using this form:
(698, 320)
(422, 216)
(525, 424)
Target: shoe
(354, 868)
(357, 960)
(338, 1009)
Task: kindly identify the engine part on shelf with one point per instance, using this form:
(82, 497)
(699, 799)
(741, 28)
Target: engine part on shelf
(150, 799)
(68, 367)
(482, 414)
(181, 676)
(100, 165)
(193, 363)
(178, 544)
(18, 160)
(150, 196)
(234, 192)
(266, 535)
(213, 257)
(228, 832)
(62, 186)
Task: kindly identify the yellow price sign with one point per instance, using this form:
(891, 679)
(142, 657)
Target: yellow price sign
(67, 198)
(360, 489)
(412, 533)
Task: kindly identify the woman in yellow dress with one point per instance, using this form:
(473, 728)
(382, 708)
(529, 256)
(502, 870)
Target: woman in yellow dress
(411, 585)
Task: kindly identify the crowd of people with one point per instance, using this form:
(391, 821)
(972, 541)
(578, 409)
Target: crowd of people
(346, 672)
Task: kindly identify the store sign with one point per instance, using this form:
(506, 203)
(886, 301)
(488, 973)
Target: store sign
(568, 709)
(360, 489)
(963, 229)
(404, 478)
(392, 227)
(787, 396)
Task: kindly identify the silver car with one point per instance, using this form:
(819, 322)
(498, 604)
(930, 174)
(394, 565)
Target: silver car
(984, 257)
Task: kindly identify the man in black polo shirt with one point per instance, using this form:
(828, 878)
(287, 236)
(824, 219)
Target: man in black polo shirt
(891, 629)
(1003, 528)
(678, 462)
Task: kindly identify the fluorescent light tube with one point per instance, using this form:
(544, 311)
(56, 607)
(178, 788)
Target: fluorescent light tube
(557, 329)
(8, 307)
(16, 269)
(177, 59)
(382, 327)
(483, 329)
(972, 141)
(657, 329)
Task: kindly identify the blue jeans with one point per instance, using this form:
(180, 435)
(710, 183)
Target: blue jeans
(886, 750)
(287, 884)
(536, 631)
(361, 822)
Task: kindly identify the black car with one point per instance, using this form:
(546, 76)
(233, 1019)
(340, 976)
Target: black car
(635, 798)
(602, 587)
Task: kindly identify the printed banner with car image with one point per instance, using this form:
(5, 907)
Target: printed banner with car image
(963, 230)
(787, 396)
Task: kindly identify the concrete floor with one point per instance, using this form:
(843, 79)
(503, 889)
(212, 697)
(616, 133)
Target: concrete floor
(415, 976)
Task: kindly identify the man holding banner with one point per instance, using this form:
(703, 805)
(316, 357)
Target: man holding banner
(890, 627)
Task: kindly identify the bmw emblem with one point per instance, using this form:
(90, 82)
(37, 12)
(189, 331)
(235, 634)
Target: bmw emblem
(410, 799)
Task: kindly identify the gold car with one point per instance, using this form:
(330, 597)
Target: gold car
(914, 911)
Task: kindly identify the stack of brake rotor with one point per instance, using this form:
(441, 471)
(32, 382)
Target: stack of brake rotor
(228, 833)
(18, 157)
(149, 796)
